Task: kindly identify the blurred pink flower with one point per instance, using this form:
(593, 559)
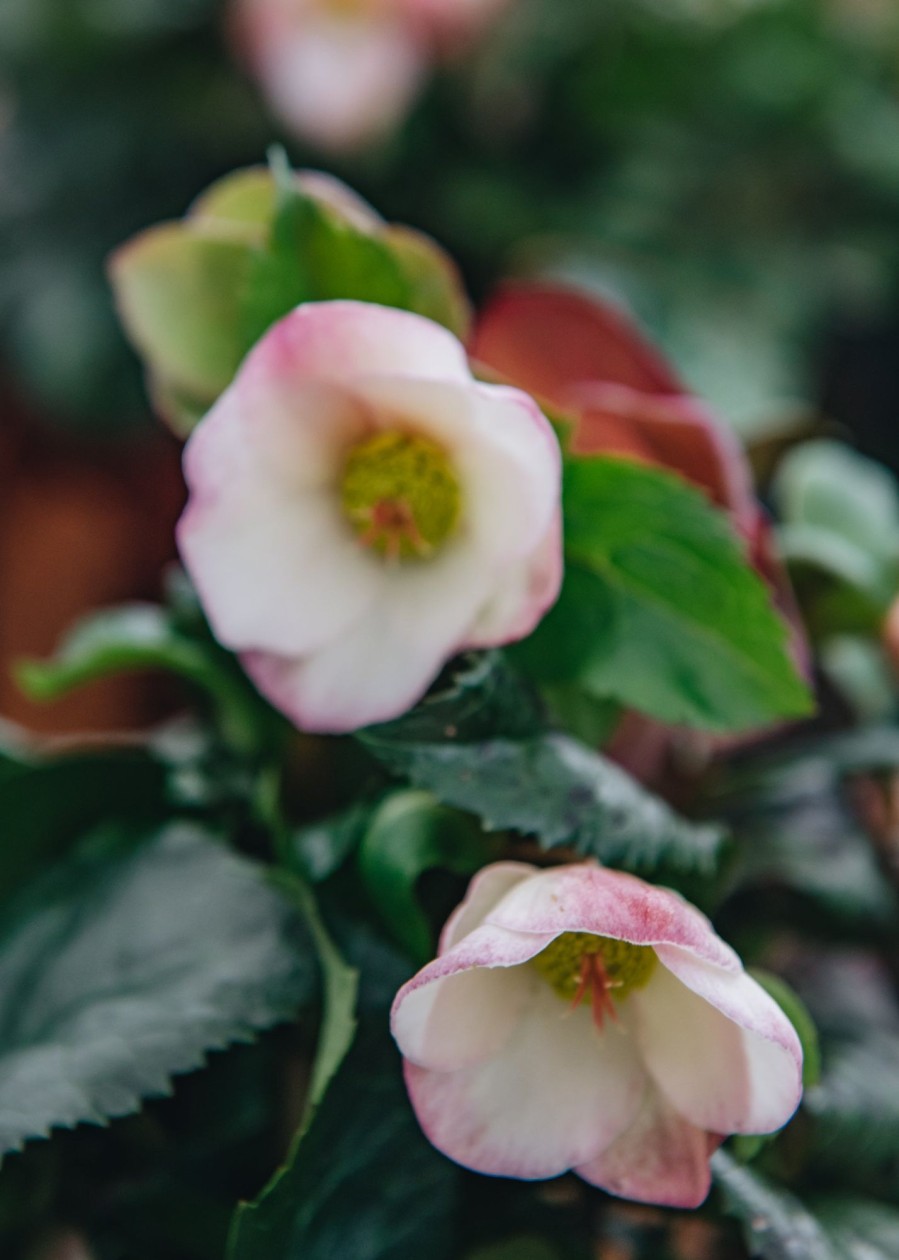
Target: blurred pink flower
(579, 1018)
(342, 73)
(361, 509)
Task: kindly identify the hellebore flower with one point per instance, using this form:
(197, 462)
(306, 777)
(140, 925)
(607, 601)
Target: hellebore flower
(361, 509)
(579, 1018)
(341, 73)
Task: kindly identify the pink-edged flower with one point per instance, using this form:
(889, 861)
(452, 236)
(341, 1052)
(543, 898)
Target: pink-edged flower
(361, 509)
(343, 72)
(579, 1018)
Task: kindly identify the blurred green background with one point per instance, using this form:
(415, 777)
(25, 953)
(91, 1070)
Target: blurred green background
(731, 168)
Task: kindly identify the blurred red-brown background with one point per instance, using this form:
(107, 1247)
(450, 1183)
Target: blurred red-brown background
(83, 523)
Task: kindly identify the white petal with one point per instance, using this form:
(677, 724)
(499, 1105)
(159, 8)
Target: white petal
(275, 573)
(722, 1077)
(487, 888)
(385, 661)
(661, 1158)
(557, 1093)
(342, 342)
(525, 592)
(463, 1007)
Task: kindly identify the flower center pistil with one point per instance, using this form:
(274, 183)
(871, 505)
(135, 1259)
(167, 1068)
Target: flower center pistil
(400, 494)
(576, 964)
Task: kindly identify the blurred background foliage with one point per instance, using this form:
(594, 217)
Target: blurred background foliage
(730, 168)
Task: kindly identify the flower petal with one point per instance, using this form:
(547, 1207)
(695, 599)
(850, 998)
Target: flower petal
(337, 81)
(341, 341)
(661, 1158)
(464, 1006)
(587, 898)
(247, 532)
(384, 662)
(487, 887)
(503, 449)
(547, 338)
(557, 1093)
(721, 1050)
(523, 595)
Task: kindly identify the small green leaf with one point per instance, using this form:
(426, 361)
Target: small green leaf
(775, 1225)
(688, 632)
(141, 637)
(315, 255)
(122, 969)
(364, 1184)
(407, 835)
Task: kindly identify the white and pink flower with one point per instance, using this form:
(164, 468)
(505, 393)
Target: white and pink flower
(361, 509)
(579, 1018)
(343, 72)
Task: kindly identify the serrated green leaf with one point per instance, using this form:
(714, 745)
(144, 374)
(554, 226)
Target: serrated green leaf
(859, 1229)
(364, 1184)
(122, 969)
(408, 834)
(688, 632)
(559, 791)
(775, 1224)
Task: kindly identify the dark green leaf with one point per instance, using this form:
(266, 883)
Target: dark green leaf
(688, 631)
(45, 806)
(551, 787)
(860, 1229)
(856, 1110)
(322, 847)
(364, 1184)
(409, 834)
(124, 968)
(485, 697)
(775, 1225)
(834, 865)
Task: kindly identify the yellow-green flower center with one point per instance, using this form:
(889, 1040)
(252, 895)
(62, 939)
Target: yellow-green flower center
(401, 495)
(578, 963)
